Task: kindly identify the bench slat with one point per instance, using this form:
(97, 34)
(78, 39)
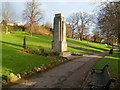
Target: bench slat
(99, 78)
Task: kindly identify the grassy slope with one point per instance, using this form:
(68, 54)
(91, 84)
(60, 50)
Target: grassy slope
(77, 51)
(13, 58)
(15, 39)
(18, 62)
(113, 61)
(95, 47)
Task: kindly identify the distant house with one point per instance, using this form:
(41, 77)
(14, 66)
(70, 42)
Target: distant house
(3, 22)
(20, 24)
(115, 43)
(10, 24)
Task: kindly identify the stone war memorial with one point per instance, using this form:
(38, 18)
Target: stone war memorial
(59, 37)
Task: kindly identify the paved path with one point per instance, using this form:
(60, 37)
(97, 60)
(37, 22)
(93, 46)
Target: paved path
(68, 75)
(79, 47)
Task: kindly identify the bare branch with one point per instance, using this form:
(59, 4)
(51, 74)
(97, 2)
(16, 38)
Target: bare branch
(33, 14)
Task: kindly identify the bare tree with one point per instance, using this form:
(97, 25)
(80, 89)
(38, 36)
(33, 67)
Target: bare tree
(109, 21)
(72, 20)
(32, 14)
(85, 20)
(8, 14)
(97, 35)
(80, 21)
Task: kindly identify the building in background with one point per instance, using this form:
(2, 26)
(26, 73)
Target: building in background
(20, 24)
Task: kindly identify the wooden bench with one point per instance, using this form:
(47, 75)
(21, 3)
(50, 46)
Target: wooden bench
(100, 78)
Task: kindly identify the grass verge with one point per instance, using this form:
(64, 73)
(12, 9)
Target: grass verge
(114, 62)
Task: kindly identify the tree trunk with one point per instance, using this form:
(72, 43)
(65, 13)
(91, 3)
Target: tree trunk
(94, 39)
(82, 30)
(118, 39)
(72, 33)
(31, 29)
(6, 29)
(80, 36)
(100, 40)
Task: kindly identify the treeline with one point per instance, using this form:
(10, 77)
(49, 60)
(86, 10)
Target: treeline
(108, 22)
(45, 29)
(12, 28)
(105, 24)
(80, 22)
(32, 15)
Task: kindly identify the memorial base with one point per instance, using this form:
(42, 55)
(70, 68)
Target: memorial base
(65, 54)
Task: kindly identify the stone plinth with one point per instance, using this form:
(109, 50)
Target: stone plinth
(59, 38)
(65, 54)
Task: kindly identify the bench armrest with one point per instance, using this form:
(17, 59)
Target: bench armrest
(94, 70)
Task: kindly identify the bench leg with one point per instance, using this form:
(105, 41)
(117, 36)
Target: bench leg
(90, 87)
(108, 84)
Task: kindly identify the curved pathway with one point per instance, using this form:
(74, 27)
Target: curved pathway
(68, 75)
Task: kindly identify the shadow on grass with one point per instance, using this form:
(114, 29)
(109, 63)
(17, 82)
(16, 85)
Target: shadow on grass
(96, 47)
(112, 59)
(87, 44)
(115, 56)
(84, 52)
(91, 50)
(36, 40)
(11, 43)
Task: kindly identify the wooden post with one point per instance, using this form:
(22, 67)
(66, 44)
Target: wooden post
(24, 42)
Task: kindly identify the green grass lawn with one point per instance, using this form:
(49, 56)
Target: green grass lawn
(15, 39)
(19, 62)
(16, 61)
(77, 51)
(13, 60)
(113, 61)
(91, 46)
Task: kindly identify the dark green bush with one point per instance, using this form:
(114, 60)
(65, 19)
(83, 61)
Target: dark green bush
(42, 51)
(48, 28)
(12, 28)
(56, 53)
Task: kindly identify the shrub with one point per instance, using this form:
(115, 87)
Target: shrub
(42, 51)
(56, 53)
(12, 28)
